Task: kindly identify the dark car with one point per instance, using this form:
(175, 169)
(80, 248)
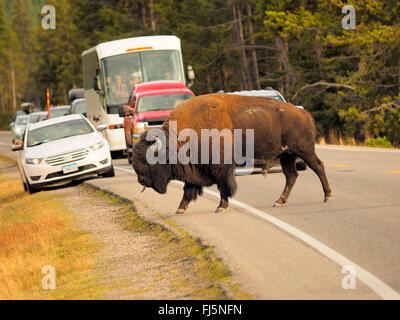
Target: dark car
(59, 111)
(37, 116)
(79, 106)
(18, 129)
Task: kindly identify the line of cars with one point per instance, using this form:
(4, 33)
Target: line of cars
(24, 117)
(58, 150)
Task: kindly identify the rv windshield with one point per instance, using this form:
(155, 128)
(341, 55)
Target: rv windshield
(123, 71)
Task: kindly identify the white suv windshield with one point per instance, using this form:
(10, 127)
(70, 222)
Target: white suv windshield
(58, 131)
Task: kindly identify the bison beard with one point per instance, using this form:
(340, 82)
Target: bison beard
(281, 132)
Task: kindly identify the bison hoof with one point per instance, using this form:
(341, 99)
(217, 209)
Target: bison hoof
(180, 211)
(220, 209)
(278, 204)
(326, 199)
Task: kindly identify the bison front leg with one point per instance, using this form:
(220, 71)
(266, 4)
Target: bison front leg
(226, 184)
(288, 163)
(190, 192)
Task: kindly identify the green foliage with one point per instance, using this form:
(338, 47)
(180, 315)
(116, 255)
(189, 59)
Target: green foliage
(380, 142)
(354, 122)
(5, 120)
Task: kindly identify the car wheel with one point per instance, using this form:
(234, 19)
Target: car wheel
(30, 189)
(128, 151)
(300, 166)
(129, 157)
(109, 173)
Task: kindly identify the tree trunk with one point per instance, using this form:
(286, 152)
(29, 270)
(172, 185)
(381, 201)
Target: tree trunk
(287, 78)
(244, 64)
(256, 76)
(144, 15)
(362, 65)
(221, 76)
(152, 18)
(283, 49)
(65, 96)
(12, 82)
(209, 86)
(318, 55)
(280, 69)
(398, 70)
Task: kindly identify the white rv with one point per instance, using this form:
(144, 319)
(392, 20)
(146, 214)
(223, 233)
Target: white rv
(110, 69)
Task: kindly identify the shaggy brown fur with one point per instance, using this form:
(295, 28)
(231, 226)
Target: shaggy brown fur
(281, 131)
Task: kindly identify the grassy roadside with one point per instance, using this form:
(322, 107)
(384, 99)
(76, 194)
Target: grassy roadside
(36, 231)
(202, 274)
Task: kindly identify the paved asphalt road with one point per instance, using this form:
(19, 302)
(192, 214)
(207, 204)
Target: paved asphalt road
(295, 251)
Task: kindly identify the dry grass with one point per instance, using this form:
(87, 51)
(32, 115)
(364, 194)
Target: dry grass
(36, 231)
(192, 269)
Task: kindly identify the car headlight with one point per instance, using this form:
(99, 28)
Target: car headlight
(141, 125)
(33, 160)
(97, 146)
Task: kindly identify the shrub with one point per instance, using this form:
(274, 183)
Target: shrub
(379, 142)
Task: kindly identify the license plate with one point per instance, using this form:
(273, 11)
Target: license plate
(68, 168)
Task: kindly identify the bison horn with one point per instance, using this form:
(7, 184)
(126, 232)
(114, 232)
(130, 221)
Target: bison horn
(144, 188)
(159, 143)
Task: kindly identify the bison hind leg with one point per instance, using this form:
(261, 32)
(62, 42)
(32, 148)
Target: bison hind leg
(190, 193)
(318, 167)
(227, 188)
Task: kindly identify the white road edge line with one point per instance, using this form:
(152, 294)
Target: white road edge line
(357, 149)
(376, 285)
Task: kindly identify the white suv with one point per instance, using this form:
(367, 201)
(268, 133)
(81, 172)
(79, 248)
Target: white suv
(62, 149)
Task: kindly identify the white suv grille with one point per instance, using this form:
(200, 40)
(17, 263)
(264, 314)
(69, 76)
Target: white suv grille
(66, 157)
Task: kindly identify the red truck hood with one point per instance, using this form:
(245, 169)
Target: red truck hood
(152, 114)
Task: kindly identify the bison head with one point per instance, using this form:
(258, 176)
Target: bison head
(156, 176)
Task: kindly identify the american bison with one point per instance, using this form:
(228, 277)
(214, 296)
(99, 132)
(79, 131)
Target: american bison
(281, 131)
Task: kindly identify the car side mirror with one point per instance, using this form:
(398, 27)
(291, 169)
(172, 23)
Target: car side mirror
(124, 111)
(96, 83)
(101, 127)
(18, 145)
(121, 111)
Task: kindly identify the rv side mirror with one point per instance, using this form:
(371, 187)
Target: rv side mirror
(190, 73)
(18, 145)
(101, 127)
(121, 111)
(124, 111)
(96, 83)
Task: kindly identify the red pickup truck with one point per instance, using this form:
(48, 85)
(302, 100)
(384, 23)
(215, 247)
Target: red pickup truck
(150, 104)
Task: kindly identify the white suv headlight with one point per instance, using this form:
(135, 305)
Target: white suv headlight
(97, 146)
(33, 160)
